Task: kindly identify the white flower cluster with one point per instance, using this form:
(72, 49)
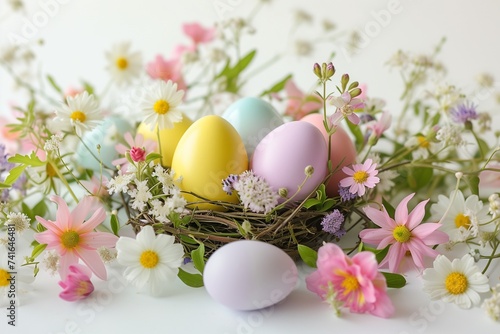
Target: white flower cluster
(255, 193)
(492, 304)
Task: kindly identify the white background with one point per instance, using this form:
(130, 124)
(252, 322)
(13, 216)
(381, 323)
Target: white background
(78, 35)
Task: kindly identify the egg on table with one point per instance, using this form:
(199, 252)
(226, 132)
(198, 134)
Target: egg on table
(253, 118)
(208, 152)
(249, 275)
(283, 155)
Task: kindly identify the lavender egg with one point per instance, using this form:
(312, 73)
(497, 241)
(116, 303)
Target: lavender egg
(282, 156)
(249, 275)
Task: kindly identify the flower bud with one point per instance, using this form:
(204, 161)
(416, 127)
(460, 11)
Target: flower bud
(283, 192)
(309, 170)
(344, 81)
(468, 125)
(330, 71)
(317, 70)
(137, 154)
(355, 92)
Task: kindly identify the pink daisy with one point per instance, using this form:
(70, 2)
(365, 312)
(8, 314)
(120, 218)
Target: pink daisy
(137, 144)
(404, 233)
(355, 282)
(77, 284)
(361, 176)
(74, 238)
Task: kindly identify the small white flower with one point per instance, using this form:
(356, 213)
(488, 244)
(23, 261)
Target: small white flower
(51, 262)
(160, 103)
(20, 221)
(386, 183)
(80, 112)
(107, 255)
(422, 146)
(166, 178)
(465, 217)
(140, 194)
(450, 135)
(54, 143)
(492, 304)
(303, 47)
(124, 65)
(119, 183)
(494, 209)
(459, 281)
(151, 261)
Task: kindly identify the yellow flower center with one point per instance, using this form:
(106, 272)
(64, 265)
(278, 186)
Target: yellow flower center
(78, 116)
(50, 170)
(161, 107)
(70, 239)
(456, 283)
(149, 259)
(122, 63)
(401, 234)
(83, 288)
(360, 176)
(4, 278)
(422, 142)
(350, 284)
(462, 220)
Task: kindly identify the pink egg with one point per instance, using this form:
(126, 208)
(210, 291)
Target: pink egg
(343, 152)
(282, 156)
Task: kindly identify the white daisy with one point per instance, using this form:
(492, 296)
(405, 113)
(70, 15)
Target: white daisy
(80, 112)
(160, 103)
(124, 65)
(151, 261)
(421, 147)
(458, 282)
(464, 219)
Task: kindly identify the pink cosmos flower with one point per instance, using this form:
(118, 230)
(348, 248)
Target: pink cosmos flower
(77, 284)
(300, 104)
(346, 107)
(73, 237)
(138, 142)
(355, 282)
(166, 70)
(404, 234)
(198, 33)
(361, 176)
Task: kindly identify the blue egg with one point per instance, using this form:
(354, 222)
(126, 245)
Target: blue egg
(253, 118)
(107, 134)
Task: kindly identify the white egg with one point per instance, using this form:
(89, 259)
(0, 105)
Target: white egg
(249, 275)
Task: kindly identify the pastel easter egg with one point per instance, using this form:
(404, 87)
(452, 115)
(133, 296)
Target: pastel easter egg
(282, 156)
(169, 138)
(106, 135)
(249, 275)
(343, 152)
(253, 118)
(208, 152)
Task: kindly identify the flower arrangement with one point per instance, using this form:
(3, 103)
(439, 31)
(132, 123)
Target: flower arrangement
(159, 191)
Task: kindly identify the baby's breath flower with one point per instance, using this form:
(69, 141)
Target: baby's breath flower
(20, 221)
(51, 262)
(492, 304)
(255, 193)
(107, 255)
(54, 143)
(119, 183)
(140, 194)
(450, 135)
(303, 47)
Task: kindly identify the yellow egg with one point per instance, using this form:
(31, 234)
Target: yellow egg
(169, 138)
(207, 153)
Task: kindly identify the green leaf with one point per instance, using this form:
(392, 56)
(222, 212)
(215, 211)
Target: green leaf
(152, 156)
(420, 177)
(380, 254)
(277, 87)
(358, 135)
(308, 255)
(192, 280)
(394, 280)
(88, 87)
(4, 186)
(327, 204)
(115, 225)
(54, 84)
(473, 183)
(37, 250)
(30, 160)
(14, 174)
(198, 257)
(40, 209)
(27, 211)
(311, 202)
(483, 146)
(241, 65)
(188, 240)
(388, 207)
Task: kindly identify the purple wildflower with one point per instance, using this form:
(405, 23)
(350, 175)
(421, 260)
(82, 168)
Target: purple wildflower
(463, 113)
(4, 164)
(332, 223)
(227, 183)
(345, 194)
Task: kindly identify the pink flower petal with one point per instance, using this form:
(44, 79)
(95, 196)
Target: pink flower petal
(394, 256)
(401, 214)
(87, 205)
(416, 215)
(381, 218)
(94, 262)
(96, 219)
(94, 240)
(353, 118)
(429, 234)
(377, 236)
(62, 215)
(48, 237)
(65, 261)
(49, 225)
